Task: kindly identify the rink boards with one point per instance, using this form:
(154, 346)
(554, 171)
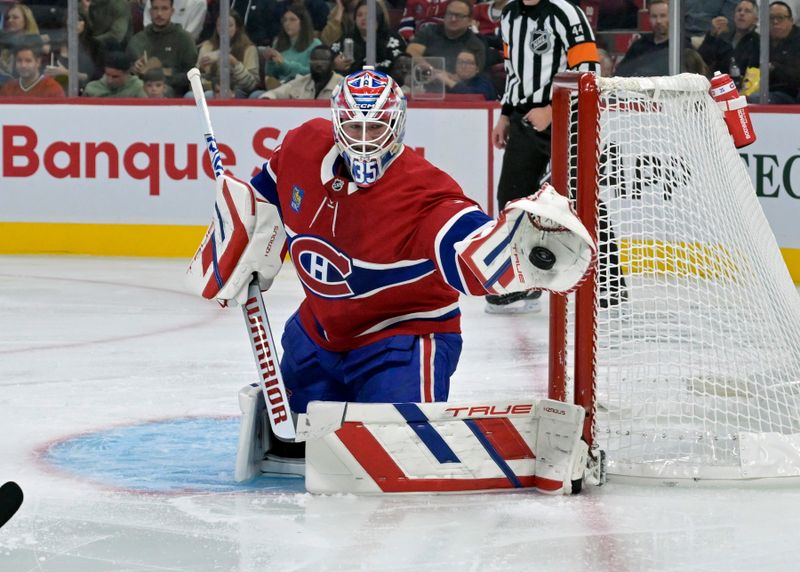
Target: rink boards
(132, 178)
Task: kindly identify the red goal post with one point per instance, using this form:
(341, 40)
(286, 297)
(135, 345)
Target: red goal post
(581, 149)
(684, 345)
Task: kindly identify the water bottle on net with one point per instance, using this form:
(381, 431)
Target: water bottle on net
(734, 109)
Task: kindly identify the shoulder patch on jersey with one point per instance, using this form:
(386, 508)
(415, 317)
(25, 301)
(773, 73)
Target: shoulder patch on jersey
(297, 198)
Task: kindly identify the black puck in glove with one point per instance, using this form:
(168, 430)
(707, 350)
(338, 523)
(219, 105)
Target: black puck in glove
(542, 258)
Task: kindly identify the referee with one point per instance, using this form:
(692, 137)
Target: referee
(540, 39)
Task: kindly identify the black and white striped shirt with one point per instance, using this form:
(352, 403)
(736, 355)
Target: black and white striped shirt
(539, 42)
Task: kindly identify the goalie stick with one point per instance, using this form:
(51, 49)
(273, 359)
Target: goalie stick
(10, 501)
(255, 315)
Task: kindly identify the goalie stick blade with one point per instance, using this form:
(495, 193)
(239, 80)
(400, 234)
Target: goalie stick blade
(10, 500)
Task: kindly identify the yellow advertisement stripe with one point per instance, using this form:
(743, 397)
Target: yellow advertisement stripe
(792, 258)
(100, 239)
(689, 259)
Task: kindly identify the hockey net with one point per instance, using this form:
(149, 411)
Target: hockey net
(684, 347)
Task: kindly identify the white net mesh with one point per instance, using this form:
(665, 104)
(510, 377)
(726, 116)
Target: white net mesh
(698, 321)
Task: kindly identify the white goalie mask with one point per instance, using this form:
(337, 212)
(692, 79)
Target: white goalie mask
(369, 122)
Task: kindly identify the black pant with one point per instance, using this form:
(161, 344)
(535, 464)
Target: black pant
(524, 162)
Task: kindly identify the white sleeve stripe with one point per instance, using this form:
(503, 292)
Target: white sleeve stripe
(431, 314)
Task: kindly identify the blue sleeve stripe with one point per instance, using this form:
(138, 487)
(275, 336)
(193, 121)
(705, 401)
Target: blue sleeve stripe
(267, 187)
(462, 228)
(417, 420)
(499, 248)
(493, 453)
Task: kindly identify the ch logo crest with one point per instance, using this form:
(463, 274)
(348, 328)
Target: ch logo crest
(321, 268)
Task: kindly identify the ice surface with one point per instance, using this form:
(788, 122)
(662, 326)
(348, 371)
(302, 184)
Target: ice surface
(107, 368)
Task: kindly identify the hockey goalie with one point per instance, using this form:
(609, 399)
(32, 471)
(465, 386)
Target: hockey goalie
(384, 243)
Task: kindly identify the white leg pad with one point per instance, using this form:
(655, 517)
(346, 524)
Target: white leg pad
(442, 447)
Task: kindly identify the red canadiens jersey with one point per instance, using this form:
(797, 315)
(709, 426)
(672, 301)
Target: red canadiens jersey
(374, 262)
(418, 12)
(482, 14)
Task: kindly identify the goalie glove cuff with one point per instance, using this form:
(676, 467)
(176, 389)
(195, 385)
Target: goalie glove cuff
(537, 243)
(245, 237)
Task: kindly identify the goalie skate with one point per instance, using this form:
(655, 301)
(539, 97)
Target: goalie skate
(259, 452)
(514, 303)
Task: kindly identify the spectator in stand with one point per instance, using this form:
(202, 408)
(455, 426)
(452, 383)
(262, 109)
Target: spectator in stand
(155, 83)
(448, 39)
(618, 15)
(50, 16)
(717, 54)
(388, 44)
(257, 16)
(19, 18)
(784, 55)
(693, 63)
(794, 6)
(291, 52)
(190, 14)
(648, 56)
(117, 81)
(467, 79)
(109, 22)
(317, 9)
(486, 16)
(18, 23)
(341, 20)
(319, 84)
(164, 44)
(701, 13)
(262, 18)
(243, 59)
(419, 12)
(137, 15)
(30, 81)
(743, 39)
(88, 58)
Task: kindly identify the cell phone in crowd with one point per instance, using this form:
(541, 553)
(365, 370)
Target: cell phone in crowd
(347, 49)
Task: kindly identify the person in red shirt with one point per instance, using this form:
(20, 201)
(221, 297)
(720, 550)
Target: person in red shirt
(31, 82)
(419, 12)
(487, 17)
